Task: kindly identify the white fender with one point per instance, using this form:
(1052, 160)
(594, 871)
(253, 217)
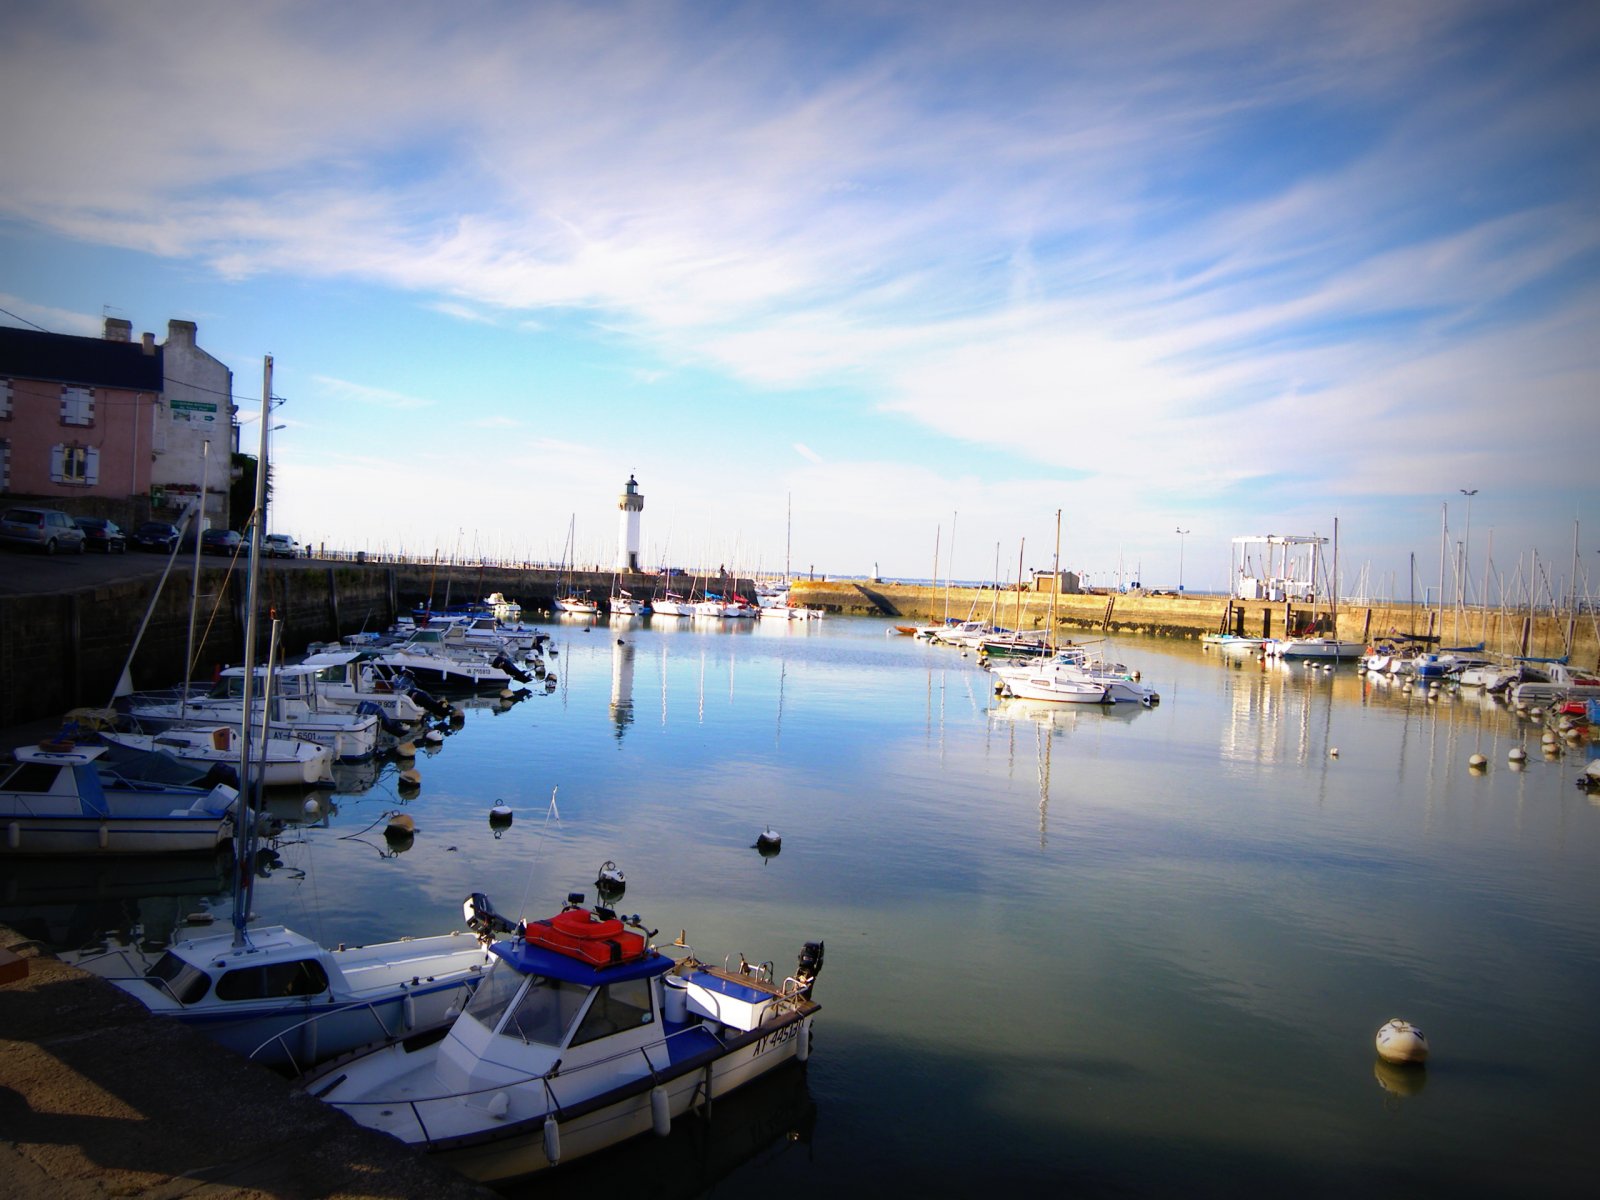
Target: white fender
(552, 1140)
(802, 1049)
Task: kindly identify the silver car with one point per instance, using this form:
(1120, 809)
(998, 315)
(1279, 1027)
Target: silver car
(46, 529)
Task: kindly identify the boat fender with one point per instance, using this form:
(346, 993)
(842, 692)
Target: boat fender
(499, 1105)
(552, 1140)
(410, 1007)
(660, 1111)
(802, 1047)
(105, 835)
(13, 835)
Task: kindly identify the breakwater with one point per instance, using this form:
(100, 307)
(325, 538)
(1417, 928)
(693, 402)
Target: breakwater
(1191, 616)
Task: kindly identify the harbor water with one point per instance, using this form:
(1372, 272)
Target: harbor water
(1112, 952)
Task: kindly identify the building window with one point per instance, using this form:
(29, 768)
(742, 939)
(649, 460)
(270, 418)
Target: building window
(5, 464)
(76, 465)
(77, 406)
(5, 399)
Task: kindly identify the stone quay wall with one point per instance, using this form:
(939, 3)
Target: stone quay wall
(66, 650)
(1191, 616)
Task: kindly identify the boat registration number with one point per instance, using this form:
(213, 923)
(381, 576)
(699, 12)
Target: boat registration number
(772, 1041)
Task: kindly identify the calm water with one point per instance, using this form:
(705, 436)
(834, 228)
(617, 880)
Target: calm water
(1129, 952)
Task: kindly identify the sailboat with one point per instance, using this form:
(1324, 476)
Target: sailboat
(268, 992)
(1329, 649)
(568, 599)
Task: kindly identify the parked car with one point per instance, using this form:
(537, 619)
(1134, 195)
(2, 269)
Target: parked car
(47, 529)
(220, 541)
(157, 535)
(280, 545)
(103, 535)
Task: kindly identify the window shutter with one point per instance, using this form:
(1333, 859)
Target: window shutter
(57, 454)
(91, 474)
(5, 398)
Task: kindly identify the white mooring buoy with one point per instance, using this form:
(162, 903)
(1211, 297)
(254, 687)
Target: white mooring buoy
(312, 807)
(1400, 1041)
(1517, 754)
(1333, 752)
(1477, 762)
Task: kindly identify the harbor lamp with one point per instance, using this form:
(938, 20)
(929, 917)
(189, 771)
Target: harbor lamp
(1182, 533)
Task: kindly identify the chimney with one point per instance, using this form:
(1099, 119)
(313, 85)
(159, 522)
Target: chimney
(118, 330)
(149, 343)
(181, 332)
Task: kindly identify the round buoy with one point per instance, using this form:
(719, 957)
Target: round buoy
(433, 737)
(1402, 1042)
(506, 693)
(610, 882)
(1548, 738)
(406, 749)
(1333, 752)
(457, 717)
(500, 815)
(1477, 762)
(400, 823)
(312, 807)
(411, 777)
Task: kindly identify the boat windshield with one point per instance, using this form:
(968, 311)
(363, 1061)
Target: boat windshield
(183, 981)
(541, 1012)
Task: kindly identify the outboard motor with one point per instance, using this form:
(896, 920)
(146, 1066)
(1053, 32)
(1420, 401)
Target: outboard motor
(482, 919)
(390, 725)
(808, 967)
(511, 668)
(429, 704)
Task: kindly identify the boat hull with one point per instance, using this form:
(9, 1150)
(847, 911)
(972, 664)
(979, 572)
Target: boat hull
(26, 834)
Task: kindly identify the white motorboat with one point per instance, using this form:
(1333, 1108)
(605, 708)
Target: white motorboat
(347, 679)
(1235, 646)
(582, 1035)
(1543, 680)
(277, 997)
(60, 799)
(1047, 680)
(297, 711)
(431, 656)
(279, 761)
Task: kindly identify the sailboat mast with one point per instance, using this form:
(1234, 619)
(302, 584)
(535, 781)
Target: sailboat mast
(1055, 585)
(194, 591)
(244, 831)
(788, 536)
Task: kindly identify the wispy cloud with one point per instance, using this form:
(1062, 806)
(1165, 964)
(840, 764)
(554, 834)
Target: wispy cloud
(360, 393)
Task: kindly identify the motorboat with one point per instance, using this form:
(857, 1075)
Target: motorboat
(1235, 646)
(582, 1035)
(297, 710)
(280, 999)
(347, 679)
(1546, 679)
(432, 657)
(1045, 680)
(577, 605)
(59, 798)
(279, 761)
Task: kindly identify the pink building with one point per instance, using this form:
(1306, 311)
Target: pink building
(85, 424)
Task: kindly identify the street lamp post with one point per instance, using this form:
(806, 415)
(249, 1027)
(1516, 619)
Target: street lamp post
(1182, 533)
(1466, 541)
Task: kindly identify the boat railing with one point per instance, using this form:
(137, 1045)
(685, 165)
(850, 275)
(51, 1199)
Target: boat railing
(304, 1031)
(546, 1080)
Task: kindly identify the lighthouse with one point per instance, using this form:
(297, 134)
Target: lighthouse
(631, 504)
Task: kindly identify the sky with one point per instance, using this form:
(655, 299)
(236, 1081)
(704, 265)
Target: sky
(866, 287)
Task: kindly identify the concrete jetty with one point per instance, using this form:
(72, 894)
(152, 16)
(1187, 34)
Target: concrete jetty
(98, 1098)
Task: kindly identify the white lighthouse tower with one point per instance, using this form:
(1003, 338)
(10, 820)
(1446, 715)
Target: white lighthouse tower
(632, 504)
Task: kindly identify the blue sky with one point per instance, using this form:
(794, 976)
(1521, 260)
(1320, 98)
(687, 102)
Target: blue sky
(915, 269)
